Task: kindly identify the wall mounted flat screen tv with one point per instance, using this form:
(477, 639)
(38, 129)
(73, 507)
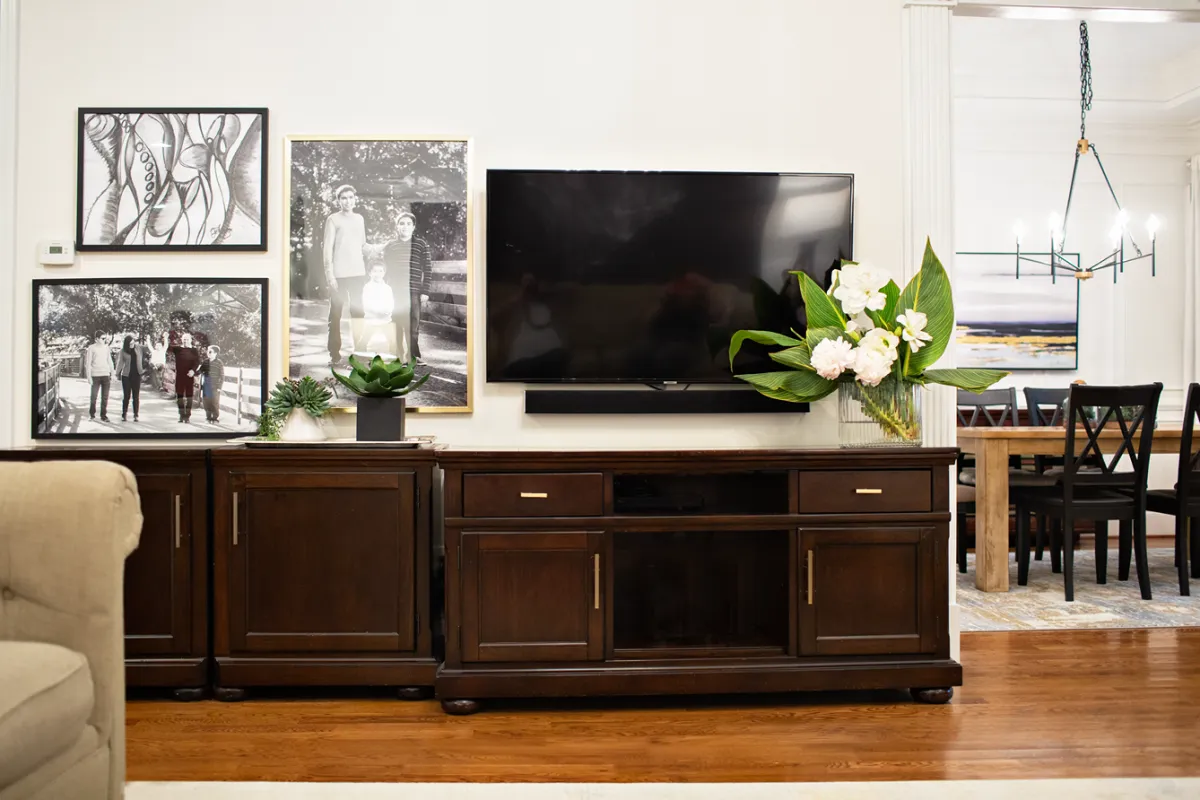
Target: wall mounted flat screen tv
(643, 277)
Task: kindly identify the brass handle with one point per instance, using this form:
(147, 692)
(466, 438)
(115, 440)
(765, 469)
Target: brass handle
(535, 495)
(868, 491)
(596, 580)
(811, 556)
(178, 525)
(235, 518)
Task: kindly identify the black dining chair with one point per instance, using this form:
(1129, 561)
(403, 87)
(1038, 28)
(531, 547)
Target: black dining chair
(1098, 494)
(1184, 500)
(990, 408)
(1045, 409)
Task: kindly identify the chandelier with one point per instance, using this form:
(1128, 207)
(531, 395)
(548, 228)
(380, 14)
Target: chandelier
(1119, 234)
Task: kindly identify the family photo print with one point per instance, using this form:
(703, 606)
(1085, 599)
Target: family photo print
(379, 261)
(136, 358)
(171, 179)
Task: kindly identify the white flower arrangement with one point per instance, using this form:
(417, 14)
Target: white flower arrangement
(866, 330)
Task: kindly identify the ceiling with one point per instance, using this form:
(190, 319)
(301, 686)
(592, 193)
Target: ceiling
(1136, 66)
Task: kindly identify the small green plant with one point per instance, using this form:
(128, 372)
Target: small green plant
(268, 425)
(306, 394)
(381, 378)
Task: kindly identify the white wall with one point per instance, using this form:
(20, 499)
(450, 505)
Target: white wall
(638, 84)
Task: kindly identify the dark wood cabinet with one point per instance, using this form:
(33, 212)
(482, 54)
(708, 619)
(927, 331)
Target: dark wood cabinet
(322, 570)
(871, 591)
(659, 572)
(166, 578)
(531, 596)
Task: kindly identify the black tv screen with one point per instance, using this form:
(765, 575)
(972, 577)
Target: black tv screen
(643, 277)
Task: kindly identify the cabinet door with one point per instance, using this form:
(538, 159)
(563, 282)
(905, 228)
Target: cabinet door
(532, 596)
(321, 561)
(868, 591)
(158, 587)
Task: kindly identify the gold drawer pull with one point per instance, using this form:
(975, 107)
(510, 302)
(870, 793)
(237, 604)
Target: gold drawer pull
(178, 523)
(811, 556)
(535, 495)
(596, 579)
(868, 491)
(235, 519)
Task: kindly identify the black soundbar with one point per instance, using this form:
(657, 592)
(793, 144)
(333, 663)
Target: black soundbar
(647, 401)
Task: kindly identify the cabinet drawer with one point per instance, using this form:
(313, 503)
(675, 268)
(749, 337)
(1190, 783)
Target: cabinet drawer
(533, 494)
(865, 491)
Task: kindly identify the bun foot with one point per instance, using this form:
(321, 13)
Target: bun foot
(413, 692)
(935, 697)
(227, 694)
(189, 694)
(460, 708)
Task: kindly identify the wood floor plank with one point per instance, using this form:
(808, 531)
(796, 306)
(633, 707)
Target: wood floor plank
(1036, 704)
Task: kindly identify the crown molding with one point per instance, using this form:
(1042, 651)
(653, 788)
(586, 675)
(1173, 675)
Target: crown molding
(1091, 10)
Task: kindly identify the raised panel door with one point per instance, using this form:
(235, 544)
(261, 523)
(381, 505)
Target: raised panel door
(158, 586)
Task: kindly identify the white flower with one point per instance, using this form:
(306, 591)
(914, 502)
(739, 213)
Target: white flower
(831, 357)
(914, 329)
(858, 288)
(860, 323)
(874, 356)
(882, 341)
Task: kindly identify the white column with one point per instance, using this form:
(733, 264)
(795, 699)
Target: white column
(929, 198)
(11, 406)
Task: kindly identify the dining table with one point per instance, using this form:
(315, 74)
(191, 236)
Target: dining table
(991, 447)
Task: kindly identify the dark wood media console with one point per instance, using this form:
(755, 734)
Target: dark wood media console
(676, 572)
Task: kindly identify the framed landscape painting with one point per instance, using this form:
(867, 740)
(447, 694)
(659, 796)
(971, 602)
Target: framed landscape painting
(379, 261)
(161, 179)
(1031, 323)
(131, 358)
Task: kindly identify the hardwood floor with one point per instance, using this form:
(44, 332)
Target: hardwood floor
(1038, 704)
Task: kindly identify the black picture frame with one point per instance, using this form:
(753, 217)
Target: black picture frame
(102, 148)
(246, 405)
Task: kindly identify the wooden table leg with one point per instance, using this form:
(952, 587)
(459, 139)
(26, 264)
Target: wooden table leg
(991, 516)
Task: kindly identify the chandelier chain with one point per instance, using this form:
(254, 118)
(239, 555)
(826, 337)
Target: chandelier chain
(1085, 79)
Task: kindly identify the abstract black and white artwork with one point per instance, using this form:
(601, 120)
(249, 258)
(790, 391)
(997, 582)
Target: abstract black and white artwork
(379, 261)
(148, 359)
(1031, 323)
(171, 179)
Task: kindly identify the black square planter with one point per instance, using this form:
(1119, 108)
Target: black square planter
(380, 419)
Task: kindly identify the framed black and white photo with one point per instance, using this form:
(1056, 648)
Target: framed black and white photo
(132, 358)
(379, 261)
(162, 179)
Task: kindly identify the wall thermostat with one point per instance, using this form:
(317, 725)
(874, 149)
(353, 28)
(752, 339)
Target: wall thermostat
(56, 253)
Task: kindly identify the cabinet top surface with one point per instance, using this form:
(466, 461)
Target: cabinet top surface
(826, 457)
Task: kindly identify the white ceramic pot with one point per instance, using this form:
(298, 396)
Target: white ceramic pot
(300, 426)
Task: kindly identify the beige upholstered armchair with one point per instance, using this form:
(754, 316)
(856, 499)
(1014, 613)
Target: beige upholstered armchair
(65, 531)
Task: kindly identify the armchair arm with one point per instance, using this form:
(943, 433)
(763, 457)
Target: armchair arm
(66, 528)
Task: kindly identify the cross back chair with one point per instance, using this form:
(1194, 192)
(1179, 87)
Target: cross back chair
(1091, 486)
(1184, 500)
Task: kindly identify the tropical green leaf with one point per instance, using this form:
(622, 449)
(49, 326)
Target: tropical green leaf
(348, 381)
(817, 335)
(762, 337)
(821, 309)
(973, 380)
(887, 317)
(798, 357)
(796, 386)
(413, 387)
(929, 292)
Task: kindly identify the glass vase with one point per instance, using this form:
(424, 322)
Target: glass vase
(887, 415)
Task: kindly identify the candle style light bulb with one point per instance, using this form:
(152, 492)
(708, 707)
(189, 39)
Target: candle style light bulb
(1152, 226)
(1019, 232)
(1122, 219)
(1115, 236)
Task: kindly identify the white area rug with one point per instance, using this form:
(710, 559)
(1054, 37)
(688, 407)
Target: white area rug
(1120, 789)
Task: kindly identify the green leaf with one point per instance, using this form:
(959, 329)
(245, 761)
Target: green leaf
(817, 335)
(413, 387)
(762, 337)
(798, 357)
(357, 365)
(794, 387)
(821, 309)
(973, 380)
(887, 317)
(929, 292)
(376, 389)
(349, 381)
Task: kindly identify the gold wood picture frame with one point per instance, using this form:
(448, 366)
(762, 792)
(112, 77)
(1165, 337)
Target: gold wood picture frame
(379, 259)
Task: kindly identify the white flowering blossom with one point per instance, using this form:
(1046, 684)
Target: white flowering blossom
(858, 288)
(831, 357)
(861, 322)
(874, 356)
(914, 329)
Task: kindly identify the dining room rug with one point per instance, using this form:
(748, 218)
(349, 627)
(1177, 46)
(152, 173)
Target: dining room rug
(1059, 789)
(1116, 604)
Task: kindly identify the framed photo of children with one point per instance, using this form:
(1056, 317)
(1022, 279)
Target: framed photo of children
(136, 358)
(171, 179)
(379, 261)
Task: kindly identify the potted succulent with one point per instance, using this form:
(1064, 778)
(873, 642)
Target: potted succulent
(381, 387)
(294, 410)
(872, 343)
